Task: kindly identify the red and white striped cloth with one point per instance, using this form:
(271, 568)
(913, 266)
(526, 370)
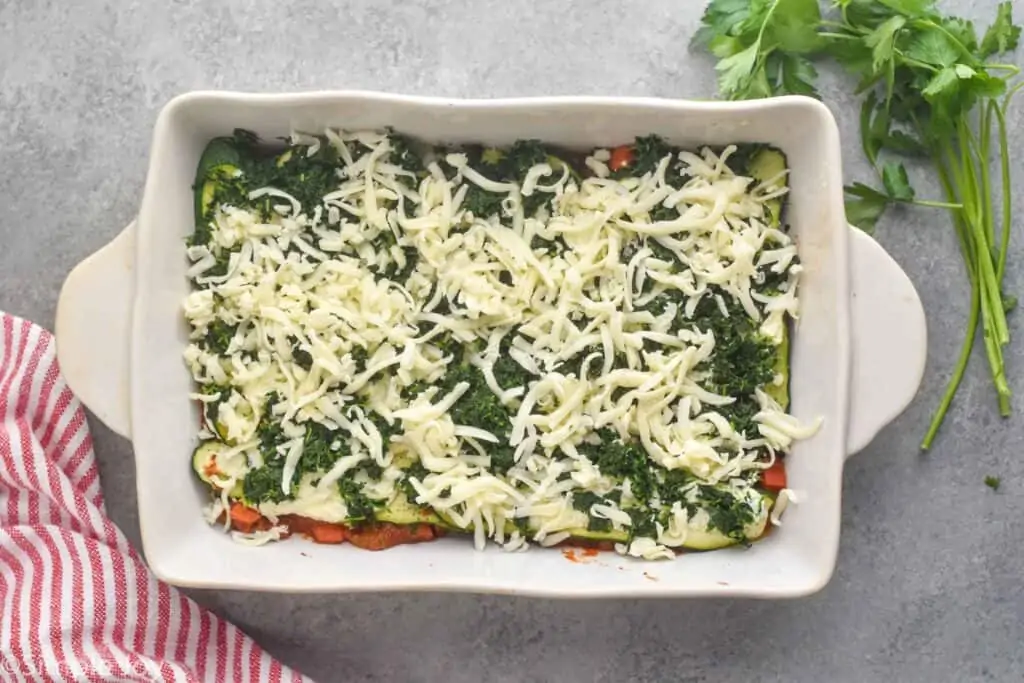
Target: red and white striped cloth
(77, 603)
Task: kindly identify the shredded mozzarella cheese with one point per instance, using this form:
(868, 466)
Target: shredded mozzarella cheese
(305, 304)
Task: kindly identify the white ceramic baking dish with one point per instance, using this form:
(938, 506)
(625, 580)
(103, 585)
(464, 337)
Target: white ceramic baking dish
(857, 358)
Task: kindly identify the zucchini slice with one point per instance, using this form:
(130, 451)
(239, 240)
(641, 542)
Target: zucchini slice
(204, 464)
(401, 511)
(780, 391)
(204, 460)
(220, 158)
(765, 164)
(696, 539)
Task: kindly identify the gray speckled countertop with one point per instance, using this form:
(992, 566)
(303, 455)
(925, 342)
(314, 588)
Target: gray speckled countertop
(928, 585)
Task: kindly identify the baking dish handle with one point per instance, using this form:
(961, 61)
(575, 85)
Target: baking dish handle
(93, 329)
(889, 338)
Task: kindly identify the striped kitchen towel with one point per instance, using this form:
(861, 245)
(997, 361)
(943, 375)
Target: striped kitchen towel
(77, 603)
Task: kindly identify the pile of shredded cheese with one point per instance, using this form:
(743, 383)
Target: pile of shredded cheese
(318, 317)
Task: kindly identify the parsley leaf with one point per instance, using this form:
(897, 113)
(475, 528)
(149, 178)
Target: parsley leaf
(874, 126)
(993, 482)
(903, 143)
(912, 8)
(941, 83)
(793, 74)
(882, 41)
(792, 25)
(894, 177)
(933, 47)
(865, 205)
(722, 20)
(736, 72)
(762, 45)
(864, 210)
(961, 30)
(1003, 34)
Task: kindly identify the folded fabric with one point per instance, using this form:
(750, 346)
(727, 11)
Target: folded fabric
(77, 602)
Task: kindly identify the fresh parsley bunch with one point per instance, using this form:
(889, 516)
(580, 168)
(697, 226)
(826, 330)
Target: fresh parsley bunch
(932, 88)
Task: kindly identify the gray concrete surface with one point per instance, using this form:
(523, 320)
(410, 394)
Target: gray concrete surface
(928, 586)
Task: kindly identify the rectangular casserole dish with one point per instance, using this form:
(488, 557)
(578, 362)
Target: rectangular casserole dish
(857, 356)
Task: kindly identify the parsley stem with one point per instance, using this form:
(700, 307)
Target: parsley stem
(995, 331)
(840, 36)
(958, 373)
(1004, 162)
(972, 319)
(767, 20)
(919, 64)
(981, 147)
(963, 172)
(1012, 68)
(964, 52)
(949, 176)
(935, 204)
(959, 224)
